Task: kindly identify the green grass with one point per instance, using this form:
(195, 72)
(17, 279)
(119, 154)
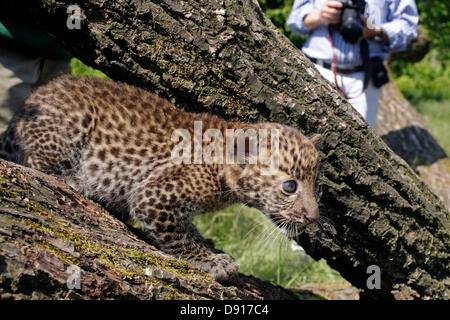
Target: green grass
(260, 250)
(437, 117)
(80, 69)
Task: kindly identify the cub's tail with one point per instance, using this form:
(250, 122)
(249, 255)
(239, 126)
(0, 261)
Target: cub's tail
(10, 148)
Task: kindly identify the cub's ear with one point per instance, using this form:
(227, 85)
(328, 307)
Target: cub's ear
(316, 140)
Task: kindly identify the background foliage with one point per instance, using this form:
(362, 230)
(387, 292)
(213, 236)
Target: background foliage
(434, 16)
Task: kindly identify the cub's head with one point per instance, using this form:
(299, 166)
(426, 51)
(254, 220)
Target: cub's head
(281, 185)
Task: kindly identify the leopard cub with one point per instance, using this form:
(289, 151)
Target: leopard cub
(115, 144)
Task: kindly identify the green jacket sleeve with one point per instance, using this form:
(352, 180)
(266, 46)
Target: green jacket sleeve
(24, 35)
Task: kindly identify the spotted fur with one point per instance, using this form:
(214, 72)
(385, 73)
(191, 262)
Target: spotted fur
(112, 143)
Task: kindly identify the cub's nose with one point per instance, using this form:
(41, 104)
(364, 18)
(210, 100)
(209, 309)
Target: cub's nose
(311, 215)
(310, 219)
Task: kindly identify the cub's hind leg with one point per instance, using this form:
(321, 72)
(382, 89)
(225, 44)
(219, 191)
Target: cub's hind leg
(163, 208)
(50, 153)
(30, 151)
(50, 141)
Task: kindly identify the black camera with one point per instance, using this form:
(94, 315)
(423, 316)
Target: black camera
(350, 26)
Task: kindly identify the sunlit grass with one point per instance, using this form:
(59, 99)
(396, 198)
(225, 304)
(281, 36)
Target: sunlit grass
(437, 117)
(260, 249)
(80, 69)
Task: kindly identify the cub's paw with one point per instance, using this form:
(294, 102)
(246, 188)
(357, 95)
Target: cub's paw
(74, 182)
(220, 266)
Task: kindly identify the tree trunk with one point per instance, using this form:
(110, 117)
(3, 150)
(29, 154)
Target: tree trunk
(404, 131)
(54, 244)
(225, 57)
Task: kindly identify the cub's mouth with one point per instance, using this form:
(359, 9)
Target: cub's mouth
(288, 226)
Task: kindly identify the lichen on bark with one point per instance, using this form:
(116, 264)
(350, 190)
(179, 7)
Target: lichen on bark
(47, 229)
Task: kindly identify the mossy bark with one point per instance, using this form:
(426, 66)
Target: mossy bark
(225, 57)
(54, 244)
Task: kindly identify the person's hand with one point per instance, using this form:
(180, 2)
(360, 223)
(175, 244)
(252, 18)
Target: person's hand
(369, 33)
(329, 13)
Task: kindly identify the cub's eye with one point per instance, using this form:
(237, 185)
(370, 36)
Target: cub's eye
(289, 186)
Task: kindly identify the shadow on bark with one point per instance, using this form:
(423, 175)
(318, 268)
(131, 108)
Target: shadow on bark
(425, 151)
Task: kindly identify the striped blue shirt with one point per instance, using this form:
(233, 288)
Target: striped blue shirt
(398, 18)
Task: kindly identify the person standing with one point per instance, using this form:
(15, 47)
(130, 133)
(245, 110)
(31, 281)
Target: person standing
(355, 63)
(28, 58)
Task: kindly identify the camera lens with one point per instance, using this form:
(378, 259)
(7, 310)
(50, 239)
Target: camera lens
(351, 27)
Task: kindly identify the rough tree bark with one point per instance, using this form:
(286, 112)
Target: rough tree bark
(55, 244)
(225, 57)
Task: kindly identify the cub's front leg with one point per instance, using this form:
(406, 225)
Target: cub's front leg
(163, 212)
